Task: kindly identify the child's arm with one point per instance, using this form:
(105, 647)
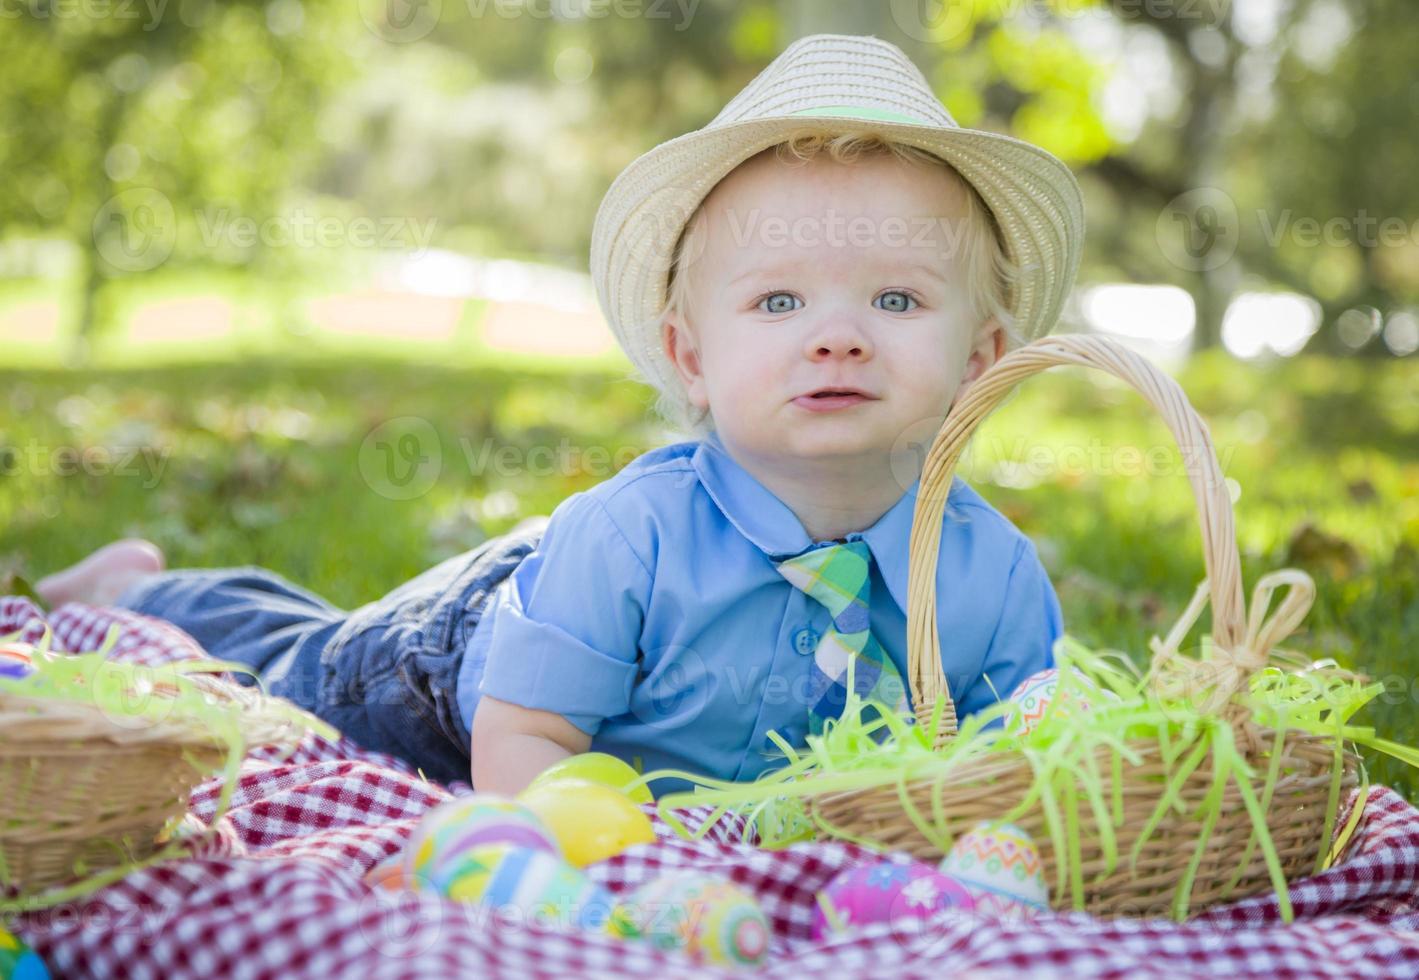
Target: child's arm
(564, 647)
(512, 744)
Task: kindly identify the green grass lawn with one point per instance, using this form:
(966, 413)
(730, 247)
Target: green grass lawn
(285, 464)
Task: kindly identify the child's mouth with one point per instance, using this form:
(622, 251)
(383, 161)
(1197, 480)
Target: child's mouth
(830, 401)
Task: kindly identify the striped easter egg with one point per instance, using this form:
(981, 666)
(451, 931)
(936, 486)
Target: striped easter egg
(434, 852)
(530, 885)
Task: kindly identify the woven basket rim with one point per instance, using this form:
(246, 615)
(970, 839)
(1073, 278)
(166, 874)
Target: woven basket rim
(262, 720)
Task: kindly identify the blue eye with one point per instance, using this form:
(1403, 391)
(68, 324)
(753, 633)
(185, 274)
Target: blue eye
(780, 303)
(895, 301)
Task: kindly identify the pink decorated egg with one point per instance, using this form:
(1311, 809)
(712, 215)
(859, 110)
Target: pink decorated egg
(885, 891)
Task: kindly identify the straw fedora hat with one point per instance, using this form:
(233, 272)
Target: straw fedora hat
(846, 84)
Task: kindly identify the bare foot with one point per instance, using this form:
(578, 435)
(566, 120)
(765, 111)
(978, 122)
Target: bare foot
(102, 577)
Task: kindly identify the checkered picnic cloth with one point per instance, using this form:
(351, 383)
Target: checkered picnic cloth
(278, 892)
(838, 576)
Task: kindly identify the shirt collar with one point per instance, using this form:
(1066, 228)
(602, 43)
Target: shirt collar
(758, 514)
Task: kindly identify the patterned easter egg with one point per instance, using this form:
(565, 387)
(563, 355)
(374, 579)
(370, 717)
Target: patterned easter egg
(705, 916)
(18, 961)
(1002, 869)
(1034, 694)
(530, 884)
(885, 891)
(434, 850)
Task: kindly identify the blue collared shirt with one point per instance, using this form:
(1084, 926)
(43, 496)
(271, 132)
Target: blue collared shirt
(653, 618)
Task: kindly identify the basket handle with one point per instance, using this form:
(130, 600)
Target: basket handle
(1214, 506)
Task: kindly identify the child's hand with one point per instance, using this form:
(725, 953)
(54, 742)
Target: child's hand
(513, 744)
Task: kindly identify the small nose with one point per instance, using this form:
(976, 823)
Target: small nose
(838, 341)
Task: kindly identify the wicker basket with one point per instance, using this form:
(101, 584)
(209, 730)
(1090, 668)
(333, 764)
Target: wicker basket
(984, 788)
(84, 791)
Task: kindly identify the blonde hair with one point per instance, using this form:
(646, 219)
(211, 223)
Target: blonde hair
(988, 271)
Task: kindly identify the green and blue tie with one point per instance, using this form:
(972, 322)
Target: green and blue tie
(837, 575)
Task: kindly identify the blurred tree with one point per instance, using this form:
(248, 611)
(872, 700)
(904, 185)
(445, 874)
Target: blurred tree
(124, 123)
(1338, 148)
(1304, 116)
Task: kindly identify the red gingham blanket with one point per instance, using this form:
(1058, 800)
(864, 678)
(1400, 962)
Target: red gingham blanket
(278, 891)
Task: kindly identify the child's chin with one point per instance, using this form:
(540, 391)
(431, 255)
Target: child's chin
(831, 441)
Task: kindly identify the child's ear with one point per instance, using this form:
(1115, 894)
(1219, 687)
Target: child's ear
(988, 347)
(680, 348)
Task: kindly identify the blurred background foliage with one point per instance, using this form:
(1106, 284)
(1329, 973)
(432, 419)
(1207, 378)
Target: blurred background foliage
(502, 122)
(238, 239)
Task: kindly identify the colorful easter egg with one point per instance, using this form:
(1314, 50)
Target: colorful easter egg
(16, 660)
(1034, 694)
(465, 822)
(1037, 692)
(597, 767)
(705, 916)
(590, 822)
(533, 885)
(18, 961)
(885, 891)
(1002, 869)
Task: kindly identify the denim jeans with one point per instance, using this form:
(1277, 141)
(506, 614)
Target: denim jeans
(385, 674)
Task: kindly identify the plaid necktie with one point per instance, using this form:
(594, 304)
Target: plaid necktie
(837, 576)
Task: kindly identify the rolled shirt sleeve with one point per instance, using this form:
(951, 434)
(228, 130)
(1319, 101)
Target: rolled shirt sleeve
(1023, 644)
(569, 620)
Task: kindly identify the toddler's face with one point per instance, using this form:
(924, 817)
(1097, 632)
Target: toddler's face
(819, 277)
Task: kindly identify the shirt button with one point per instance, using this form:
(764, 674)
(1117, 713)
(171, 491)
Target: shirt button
(805, 641)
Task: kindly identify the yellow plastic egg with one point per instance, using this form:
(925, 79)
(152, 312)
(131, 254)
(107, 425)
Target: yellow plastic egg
(590, 821)
(597, 767)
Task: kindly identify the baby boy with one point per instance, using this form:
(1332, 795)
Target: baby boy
(809, 282)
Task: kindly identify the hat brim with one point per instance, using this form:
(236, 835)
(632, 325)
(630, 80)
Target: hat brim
(1034, 197)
